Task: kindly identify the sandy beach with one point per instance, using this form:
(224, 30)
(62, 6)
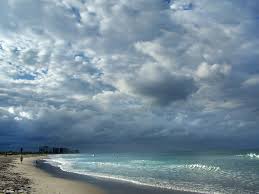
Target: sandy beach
(26, 178)
(10, 179)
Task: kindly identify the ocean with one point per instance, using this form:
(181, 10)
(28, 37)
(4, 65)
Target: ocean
(203, 172)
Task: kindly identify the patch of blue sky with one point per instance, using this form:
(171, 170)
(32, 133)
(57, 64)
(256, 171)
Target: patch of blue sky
(76, 13)
(30, 76)
(25, 77)
(188, 6)
(81, 54)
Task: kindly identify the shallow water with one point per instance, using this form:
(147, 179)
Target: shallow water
(186, 171)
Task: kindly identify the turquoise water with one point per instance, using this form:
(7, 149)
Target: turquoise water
(197, 172)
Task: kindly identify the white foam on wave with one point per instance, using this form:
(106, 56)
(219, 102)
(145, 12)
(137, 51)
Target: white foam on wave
(250, 155)
(196, 167)
(253, 155)
(58, 162)
(203, 167)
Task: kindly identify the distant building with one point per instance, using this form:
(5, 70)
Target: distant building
(56, 150)
(45, 149)
(65, 151)
(77, 152)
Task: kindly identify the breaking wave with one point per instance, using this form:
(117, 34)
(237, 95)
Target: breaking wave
(250, 155)
(207, 174)
(203, 167)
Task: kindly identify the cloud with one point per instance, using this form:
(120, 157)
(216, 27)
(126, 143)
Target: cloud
(126, 72)
(161, 86)
(205, 70)
(252, 81)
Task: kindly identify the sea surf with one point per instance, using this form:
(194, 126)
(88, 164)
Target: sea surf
(193, 172)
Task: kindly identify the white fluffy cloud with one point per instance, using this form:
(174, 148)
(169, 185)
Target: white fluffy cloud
(252, 81)
(205, 70)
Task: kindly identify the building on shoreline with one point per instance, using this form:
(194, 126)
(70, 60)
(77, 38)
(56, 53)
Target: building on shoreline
(57, 150)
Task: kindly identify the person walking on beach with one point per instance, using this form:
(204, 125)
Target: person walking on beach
(21, 158)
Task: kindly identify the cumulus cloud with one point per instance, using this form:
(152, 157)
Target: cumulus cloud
(205, 70)
(252, 81)
(161, 86)
(122, 72)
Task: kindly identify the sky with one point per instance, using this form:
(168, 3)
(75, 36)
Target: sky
(129, 75)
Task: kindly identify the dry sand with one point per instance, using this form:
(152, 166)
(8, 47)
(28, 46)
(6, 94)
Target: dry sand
(10, 180)
(44, 183)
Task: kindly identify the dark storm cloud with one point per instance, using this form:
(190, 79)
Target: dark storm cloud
(129, 73)
(166, 88)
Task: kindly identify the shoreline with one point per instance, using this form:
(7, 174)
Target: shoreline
(41, 178)
(108, 185)
(43, 182)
